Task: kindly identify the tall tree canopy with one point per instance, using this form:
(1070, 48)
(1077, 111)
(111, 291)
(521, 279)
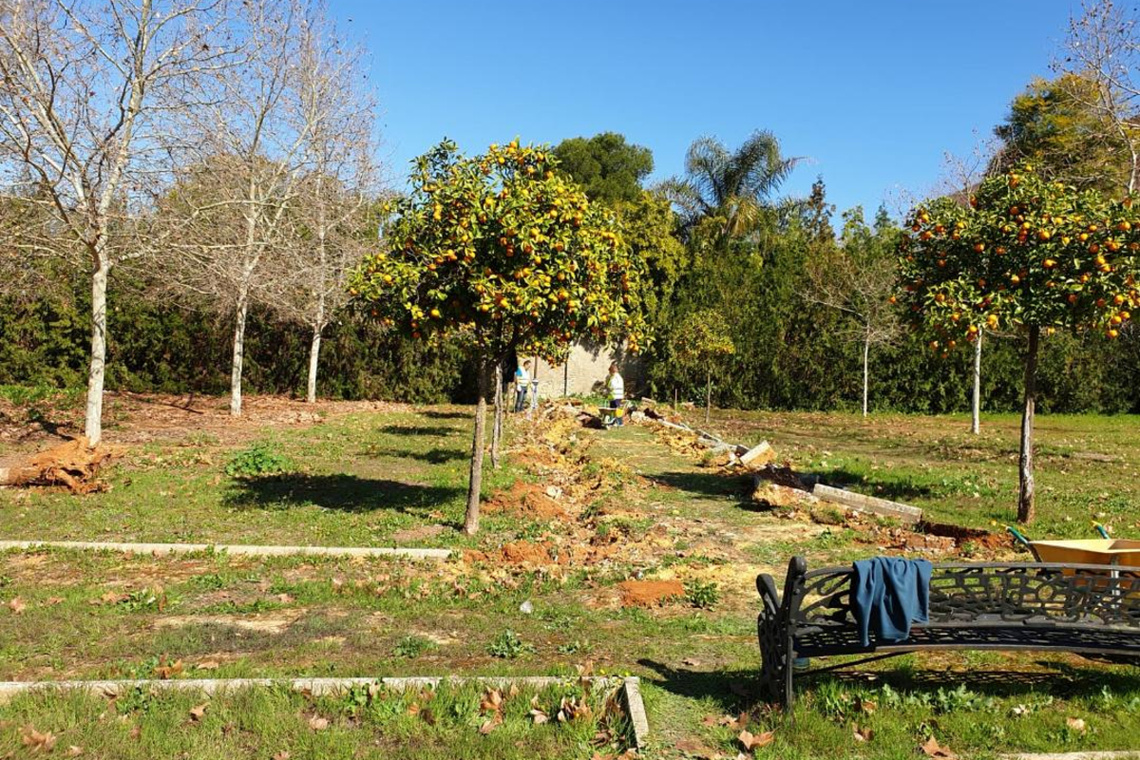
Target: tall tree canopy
(725, 191)
(607, 168)
(1053, 126)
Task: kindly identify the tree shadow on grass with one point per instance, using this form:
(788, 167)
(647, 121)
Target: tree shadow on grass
(347, 493)
(893, 490)
(706, 483)
(438, 415)
(426, 430)
(434, 456)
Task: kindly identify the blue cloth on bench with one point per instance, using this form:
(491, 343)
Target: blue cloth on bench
(887, 595)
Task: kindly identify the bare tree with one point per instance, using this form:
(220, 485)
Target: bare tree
(330, 219)
(960, 175)
(857, 278)
(250, 176)
(1103, 47)
(88, 94)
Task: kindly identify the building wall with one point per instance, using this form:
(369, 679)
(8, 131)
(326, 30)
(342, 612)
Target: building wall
(585, 372)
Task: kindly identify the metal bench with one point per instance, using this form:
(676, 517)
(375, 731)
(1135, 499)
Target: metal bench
(1086, 609)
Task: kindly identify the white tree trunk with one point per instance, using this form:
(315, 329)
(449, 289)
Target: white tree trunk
(866, 371)
(314, 355)
(976, 422)
(239, 353)
(93, 423)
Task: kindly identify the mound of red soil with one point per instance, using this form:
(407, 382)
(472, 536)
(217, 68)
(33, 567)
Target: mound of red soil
(526, 500)
(649, 593)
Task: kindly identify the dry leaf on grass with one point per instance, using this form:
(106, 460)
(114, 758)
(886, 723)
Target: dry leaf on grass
(164, 671)
(198, 712)
(282, 755)
(862, 734)
(17, 605)
(694, 748)
(52, 601)
(208, 665)
(1076, 724)
(932, 749)
(38, 741)
(317, 723)
(74, 751)
(490, 725)
(753, 742)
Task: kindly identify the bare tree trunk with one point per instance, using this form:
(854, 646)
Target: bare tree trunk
(240, 315)
(314, 357)
(93, 423)
(866, 370)
(976, 422)
(708, 398)
(675, 398)
(497, 427)
(1025, 506)
(471, 518)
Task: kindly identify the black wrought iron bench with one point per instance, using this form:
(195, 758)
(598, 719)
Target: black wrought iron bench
(1086, 609)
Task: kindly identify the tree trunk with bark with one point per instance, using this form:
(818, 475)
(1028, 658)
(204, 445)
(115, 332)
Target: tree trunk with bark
(976, 421)
(471, 518)
(93, 422)
(314, 358)
(1025, 505)
(240, 314)
(497, 427)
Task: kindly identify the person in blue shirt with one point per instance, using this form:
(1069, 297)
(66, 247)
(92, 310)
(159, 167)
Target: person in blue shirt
(522, 383)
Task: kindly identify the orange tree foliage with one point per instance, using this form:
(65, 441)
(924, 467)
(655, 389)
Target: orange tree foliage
(507, 253)
(1025, 254)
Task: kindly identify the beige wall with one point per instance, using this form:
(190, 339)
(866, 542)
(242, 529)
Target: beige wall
(585, 372)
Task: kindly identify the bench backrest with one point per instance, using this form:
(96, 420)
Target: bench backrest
(983, 594)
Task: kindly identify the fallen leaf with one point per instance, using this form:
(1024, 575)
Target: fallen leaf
(491, 724)
(317, 723)
(74, 751)
(694, 748)
(285, 599)
(38, 741)
(282, 755)
(52, 601)
(136, 732)
(427, 716)
(868, 706)
(691, 662)
(492, 701)
(932, 749)
(862, 734)
(1019, 711)
(1077, 724)
(17, 605)
(208, 665)
(752, 741)
(162, 670)
(198, 712)
(539, 717)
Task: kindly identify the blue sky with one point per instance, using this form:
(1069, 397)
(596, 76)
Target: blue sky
(872, 94)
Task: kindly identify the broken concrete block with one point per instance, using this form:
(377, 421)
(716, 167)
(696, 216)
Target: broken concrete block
(857, 501)
(759, 454)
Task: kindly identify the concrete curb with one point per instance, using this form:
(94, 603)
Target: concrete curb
(629, 686)
(234, 549)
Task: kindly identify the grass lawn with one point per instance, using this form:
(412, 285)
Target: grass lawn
(545, 589)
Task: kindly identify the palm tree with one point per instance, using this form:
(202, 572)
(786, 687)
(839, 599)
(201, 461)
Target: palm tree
(727, 192)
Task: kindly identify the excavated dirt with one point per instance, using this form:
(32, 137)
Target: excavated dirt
(526, 500)
(650, 593)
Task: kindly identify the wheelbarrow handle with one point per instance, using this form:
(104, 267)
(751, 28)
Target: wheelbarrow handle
(1101, 530)
(1018, 536)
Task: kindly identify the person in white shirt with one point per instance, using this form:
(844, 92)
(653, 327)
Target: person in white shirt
(522, 382)
(615, 388)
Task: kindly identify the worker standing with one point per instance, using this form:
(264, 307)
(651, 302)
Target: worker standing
(615, 389)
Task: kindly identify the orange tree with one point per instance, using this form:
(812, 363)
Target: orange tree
(1024, 254)
(509, 254)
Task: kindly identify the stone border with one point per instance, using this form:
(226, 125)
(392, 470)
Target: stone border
(629, 686)
(234, 549)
